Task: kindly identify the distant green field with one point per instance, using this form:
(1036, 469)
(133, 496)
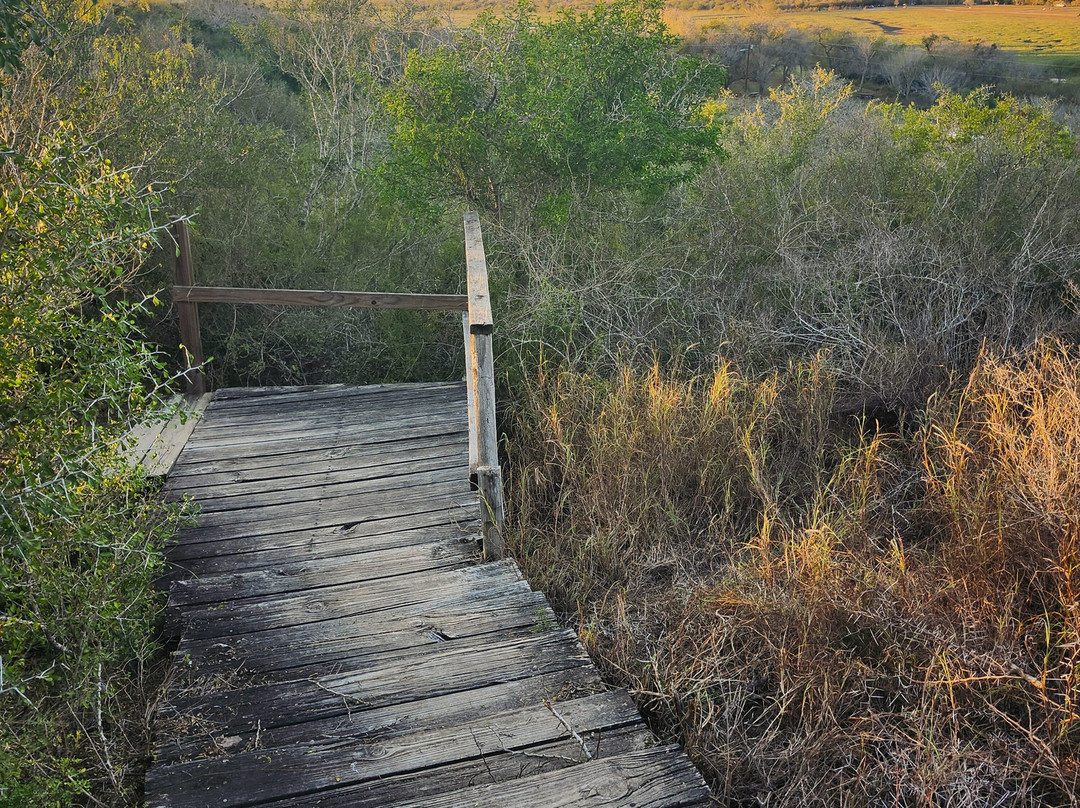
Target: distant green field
(1034, 30)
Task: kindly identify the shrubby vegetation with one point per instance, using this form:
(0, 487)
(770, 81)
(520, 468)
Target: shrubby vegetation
(518, 106)
(789, 390)
(824, 613)
(764, 53)
(80, 541)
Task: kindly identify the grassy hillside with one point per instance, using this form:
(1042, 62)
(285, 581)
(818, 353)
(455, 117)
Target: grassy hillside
(1035, 30)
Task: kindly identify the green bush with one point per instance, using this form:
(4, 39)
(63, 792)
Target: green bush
(80, 544)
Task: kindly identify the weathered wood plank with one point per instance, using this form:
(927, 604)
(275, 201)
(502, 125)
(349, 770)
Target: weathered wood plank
(239, 403)
(341, 430)
(299, 575)
(307, 768)
(348, 600)
(387, 722)
(480, 319)
(257, 552)
(323, 298)
(313, 415)
(653, 778)
(354, 434)
(309, 461)
(344, 511)
(141, 438)
(393, 678)
(219, 485)
(463, 507)
(489, 769)
(328, 489)
(339, 642)
(174, 436)
(257, 396)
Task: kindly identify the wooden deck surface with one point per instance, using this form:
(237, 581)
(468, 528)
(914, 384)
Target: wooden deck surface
(340, 643)
(155, 444)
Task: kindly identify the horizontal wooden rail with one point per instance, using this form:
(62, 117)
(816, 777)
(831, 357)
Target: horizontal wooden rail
(311, 297)
(480, 320)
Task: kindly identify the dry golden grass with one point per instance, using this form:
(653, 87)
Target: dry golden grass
(1035, 30)
(824, 613)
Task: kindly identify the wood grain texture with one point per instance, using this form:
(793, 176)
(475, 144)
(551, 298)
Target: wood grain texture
(341, 642)
(413, 479)
(174, 436)
(188, 311)
(347, 515)
(296, 575)
(337, 643)
(382, 722)
(270, 774)
(494, 768)
(651, 778)
(155, 444)
(262, 552)
(188, 478)
(396, 677)
(479, 304)
(311, 413)
(249, 446)
(313, 297)
(348, 600)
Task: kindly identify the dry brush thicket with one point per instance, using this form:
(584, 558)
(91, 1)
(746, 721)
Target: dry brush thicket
(825, 612)
(840, 567)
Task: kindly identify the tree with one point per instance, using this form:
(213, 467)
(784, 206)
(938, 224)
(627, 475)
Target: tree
(21, 25)
(323, 45)
(601, 99)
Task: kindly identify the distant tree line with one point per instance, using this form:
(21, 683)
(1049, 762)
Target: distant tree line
(766, 54)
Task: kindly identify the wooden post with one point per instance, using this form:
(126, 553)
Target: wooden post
(488, 472)
(190, 337)
(470, 391)
(482, 427)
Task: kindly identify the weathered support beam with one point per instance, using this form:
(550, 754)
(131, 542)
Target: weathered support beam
(188, 311)
(470, 389)
(314, 297)
(492, 511)
(483, 430)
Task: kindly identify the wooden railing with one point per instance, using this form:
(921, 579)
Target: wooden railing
(477, 328)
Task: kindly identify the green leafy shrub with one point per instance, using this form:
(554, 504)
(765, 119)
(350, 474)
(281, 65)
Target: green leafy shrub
(520, 108)
(79, 544)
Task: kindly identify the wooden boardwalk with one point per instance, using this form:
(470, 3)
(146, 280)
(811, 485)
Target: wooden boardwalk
(339, 643)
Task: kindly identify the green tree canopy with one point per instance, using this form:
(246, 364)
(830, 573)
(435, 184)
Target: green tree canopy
(601, 98)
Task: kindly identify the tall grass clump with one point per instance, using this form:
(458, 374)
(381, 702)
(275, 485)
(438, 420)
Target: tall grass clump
(825, 610)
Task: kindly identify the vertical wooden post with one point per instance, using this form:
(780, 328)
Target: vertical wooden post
(482, 426)
(470, 390)
(190, 336)
(488, 472)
